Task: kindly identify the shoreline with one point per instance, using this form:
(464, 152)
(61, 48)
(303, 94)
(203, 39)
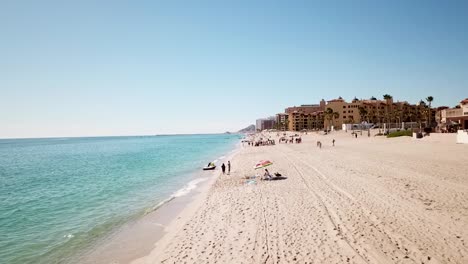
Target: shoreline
(139, 237)
(364, 200)
(184, 215)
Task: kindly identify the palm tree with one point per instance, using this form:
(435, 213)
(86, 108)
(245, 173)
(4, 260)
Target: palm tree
(397, 115)
(410, 116)
(329, 115)
(429, 100)
(371, 115)
(362, 113)
(387, 98)
(421, 112)
(320, 120)
(335, 115)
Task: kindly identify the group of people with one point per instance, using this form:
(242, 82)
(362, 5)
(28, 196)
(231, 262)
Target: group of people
(267, 176)
(291, 140)
(262, 142)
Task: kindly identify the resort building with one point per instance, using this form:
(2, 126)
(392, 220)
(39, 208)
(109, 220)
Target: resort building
(337, 112)
(376, 111)
(307, 109)
(282, 121)
(299, 121)
(297, 118)
(265, 123)
(452, 119)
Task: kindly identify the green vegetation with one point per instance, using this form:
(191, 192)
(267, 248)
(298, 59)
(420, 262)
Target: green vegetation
(331, 116)
(400, 133)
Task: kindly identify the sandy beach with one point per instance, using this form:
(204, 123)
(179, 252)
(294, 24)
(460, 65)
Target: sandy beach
(366, 200)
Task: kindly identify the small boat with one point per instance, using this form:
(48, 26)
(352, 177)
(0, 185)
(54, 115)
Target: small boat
(209, 168)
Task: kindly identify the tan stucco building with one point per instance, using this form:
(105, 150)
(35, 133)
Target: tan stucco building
(299, 121)
(457, 116)
(304, 116)
(376, 111)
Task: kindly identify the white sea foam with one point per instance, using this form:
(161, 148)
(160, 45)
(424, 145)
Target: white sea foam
(189, 187)
(181, 192)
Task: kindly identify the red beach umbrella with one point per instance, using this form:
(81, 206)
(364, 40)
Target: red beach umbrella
(263, 164)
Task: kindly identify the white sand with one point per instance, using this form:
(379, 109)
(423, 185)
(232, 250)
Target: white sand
(366, 200)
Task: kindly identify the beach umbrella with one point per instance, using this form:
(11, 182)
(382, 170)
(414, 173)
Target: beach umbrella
(263, 164)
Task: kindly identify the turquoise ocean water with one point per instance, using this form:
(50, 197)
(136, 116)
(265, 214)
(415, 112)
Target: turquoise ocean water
(60, 195)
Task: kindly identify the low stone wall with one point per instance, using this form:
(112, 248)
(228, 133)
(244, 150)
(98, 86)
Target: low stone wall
(462, 137)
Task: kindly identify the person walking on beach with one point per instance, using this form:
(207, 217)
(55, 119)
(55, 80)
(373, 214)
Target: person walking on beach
(333, 141)
(223, 168)
(229, 167)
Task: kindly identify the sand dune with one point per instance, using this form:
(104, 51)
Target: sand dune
(366, 200)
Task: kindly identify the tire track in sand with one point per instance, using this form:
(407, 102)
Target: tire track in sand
(386, 242)
(328, 212)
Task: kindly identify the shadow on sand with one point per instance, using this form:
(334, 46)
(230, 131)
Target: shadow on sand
(275, 178)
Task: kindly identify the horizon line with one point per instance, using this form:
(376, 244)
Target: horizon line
(153, 135)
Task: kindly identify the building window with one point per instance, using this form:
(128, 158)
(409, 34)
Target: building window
(344, 106)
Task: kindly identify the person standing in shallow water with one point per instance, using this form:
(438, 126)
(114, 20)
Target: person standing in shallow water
(223, 168)
(229, 167)
(333, 141)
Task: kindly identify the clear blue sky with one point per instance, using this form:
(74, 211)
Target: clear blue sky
(71, 68)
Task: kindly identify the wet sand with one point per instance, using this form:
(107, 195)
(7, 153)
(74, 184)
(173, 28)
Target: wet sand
(366, 200)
